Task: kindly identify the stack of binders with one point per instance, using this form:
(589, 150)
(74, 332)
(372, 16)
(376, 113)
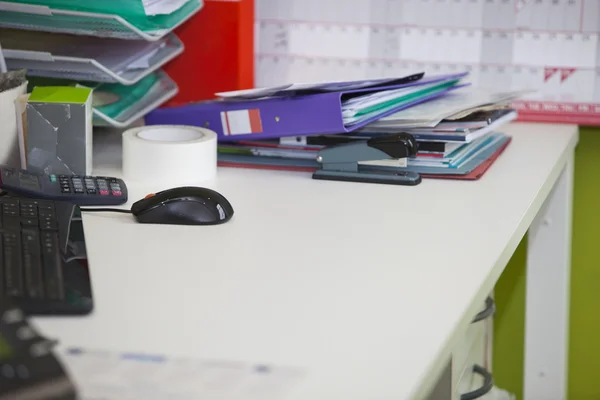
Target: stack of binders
(454, 127)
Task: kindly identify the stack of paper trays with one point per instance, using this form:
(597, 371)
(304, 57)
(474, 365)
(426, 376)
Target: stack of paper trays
(115, 47)
(458, 134)
(86, 58)
(129, 19)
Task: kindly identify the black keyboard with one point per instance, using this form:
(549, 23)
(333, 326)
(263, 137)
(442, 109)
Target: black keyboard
(43, 261)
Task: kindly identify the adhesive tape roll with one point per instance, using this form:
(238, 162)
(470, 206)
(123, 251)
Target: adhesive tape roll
(169, 154)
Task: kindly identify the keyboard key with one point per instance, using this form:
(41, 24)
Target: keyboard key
(11, 223)
(29, 214)
(28, 210)
(29, 222)
(47, 212)
(32, 263)
(12, 264)
(10, 208)
(45, 205)
(52, 266)
(117, 193)
(103, 192)
(48, 224)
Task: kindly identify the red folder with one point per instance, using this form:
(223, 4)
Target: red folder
(219, 51)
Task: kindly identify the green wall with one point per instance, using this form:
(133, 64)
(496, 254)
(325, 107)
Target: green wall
(509, 324)
(584, 343)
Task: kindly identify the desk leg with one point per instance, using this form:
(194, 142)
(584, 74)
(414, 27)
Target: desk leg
(548, 294)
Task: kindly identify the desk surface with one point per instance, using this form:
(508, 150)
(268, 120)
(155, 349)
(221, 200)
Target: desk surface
(366, 287)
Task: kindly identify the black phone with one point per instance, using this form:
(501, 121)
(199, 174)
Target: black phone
(28, 367)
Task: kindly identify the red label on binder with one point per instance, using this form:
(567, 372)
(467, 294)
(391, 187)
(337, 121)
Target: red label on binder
(241, 122)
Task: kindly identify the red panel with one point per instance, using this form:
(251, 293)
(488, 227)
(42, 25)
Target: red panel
(559, 112)
(219, 51)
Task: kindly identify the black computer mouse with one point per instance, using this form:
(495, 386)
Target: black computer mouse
(183, 206)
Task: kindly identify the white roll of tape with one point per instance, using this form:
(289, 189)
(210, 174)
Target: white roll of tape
(169, 154)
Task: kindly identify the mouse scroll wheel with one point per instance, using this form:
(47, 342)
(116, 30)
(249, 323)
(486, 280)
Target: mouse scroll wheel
(150, 195)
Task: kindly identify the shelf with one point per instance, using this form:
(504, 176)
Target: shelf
(82, 58)
(43, 18)
(131, 102)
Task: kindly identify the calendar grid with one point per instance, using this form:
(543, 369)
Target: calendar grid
(551, 47)
(346, 25)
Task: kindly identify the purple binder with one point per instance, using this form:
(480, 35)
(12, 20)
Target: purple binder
(276, 117)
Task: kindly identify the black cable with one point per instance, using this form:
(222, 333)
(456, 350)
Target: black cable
(490, 309)
(119, 210)
(488, 384)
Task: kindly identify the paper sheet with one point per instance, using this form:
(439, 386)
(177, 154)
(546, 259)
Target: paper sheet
(103, 375)
(430, 113)
(159, 7)
(550, 46)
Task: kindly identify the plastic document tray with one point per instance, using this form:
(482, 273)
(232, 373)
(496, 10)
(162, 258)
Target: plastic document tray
(47, 19)
(82, 58)
(136, 106)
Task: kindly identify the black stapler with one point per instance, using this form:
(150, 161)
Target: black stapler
(369, 161)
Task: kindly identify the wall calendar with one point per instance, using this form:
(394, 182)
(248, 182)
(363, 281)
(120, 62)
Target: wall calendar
(548, 46)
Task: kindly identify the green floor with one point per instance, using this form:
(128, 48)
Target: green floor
(584, 349)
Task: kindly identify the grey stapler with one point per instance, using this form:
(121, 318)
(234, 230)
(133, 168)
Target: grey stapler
(357, 161)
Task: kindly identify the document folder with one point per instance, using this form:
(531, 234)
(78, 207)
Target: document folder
(281, 116)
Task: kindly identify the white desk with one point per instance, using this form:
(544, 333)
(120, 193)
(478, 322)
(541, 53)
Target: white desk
(368, 287)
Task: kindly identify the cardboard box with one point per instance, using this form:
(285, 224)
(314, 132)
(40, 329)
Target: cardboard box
(59, 130)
